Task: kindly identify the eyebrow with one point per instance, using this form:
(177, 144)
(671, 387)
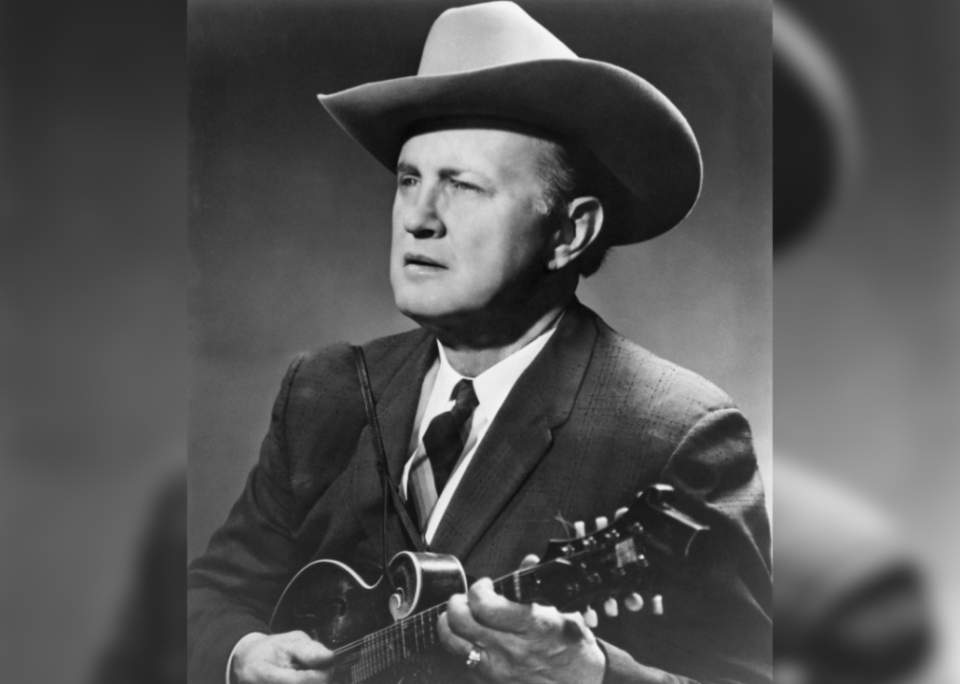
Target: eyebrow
(446, 172)
(404, 167)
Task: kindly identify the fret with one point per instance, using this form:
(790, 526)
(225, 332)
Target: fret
(416, 632)
(417, 642)
(501, 587)
(394, 654)
(371, 657)
(412, 635)
(384, 650)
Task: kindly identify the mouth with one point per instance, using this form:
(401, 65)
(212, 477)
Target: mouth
(410, 259)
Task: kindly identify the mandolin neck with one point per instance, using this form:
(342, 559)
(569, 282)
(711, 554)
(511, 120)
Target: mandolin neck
(416, 634)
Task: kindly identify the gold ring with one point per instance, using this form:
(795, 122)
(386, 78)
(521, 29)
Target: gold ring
(474, 658)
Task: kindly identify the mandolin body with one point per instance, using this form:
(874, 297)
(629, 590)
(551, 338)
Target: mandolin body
(335, 606)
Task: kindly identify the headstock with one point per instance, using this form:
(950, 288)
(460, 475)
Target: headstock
(614, 560)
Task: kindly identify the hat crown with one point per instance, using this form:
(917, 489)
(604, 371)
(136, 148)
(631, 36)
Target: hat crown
(487, 35)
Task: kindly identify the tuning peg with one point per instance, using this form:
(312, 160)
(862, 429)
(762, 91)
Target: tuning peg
(610, 607)
(580, 529)
(633, 602)
(601, 522)
(590, 617)
(658, 605)
(619, 513)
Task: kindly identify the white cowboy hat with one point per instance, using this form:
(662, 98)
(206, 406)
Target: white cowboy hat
(493, 60)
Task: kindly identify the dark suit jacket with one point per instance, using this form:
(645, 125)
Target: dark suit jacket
(593, 419)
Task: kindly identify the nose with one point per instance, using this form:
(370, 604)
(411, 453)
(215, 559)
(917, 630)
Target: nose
(420, 217)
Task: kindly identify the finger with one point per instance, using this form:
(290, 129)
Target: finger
(529, 561)
(460, 648)
(461, 622)
(495, 612)
(454, 643)
(310, 654)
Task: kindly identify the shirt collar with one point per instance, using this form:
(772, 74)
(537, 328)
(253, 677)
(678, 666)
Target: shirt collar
(494, 384)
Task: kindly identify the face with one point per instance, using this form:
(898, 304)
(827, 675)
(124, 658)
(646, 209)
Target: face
(469, 242)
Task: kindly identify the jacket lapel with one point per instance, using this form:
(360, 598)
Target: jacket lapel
(520, 434)
(396, 397)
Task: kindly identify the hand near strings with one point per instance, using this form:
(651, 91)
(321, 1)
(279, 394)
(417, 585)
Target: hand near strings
(289, 658)
(503, 641)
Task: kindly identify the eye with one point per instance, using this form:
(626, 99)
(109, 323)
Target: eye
(460, 185)
(407, 181)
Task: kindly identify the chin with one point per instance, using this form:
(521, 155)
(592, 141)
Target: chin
(426, 308)
(421, 312)
(415, 305)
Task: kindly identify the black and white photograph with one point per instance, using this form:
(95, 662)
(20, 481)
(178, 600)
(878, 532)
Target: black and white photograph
(480, 320)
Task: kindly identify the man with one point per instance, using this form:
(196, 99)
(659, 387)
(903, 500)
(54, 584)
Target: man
(518, 165)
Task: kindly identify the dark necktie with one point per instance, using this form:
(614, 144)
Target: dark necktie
(444, 439)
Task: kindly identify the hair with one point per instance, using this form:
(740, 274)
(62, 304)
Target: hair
(567, 172)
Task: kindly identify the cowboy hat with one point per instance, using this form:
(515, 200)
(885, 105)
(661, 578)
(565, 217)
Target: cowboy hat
(494, 61)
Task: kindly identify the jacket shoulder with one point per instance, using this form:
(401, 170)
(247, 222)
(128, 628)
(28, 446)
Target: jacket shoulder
(319, 413)
(649, 385)
(333, 365)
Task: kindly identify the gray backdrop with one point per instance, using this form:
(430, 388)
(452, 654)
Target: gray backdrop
(290, 220)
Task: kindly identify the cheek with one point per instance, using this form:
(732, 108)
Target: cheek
(396, 225)
(508, 264)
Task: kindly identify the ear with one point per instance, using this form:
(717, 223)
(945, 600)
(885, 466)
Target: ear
(579, 227)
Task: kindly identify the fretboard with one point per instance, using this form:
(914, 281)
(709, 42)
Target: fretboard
(415, 635)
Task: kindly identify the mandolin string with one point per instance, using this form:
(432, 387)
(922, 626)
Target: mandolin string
(351, 652)
(354, 651)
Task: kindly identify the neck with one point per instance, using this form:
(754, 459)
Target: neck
(477, 340)
(471, 360)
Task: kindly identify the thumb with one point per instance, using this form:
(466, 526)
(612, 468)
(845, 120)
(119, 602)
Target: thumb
(310, 654)
(529, 561)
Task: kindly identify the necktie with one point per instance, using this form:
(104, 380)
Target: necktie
(444, 439)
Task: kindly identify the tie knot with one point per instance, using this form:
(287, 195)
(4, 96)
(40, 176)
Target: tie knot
(465, 399)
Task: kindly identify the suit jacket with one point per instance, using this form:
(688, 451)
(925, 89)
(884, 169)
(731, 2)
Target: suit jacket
(594, 419)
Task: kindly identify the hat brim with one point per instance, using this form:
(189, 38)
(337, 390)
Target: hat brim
(628, 125)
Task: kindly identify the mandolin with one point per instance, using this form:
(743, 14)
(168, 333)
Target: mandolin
(386, 630)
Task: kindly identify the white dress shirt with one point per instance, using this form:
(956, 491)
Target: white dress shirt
(491, 387)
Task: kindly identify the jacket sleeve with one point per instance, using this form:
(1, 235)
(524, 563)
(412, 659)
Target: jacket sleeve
(232, 587)
(718, 626)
